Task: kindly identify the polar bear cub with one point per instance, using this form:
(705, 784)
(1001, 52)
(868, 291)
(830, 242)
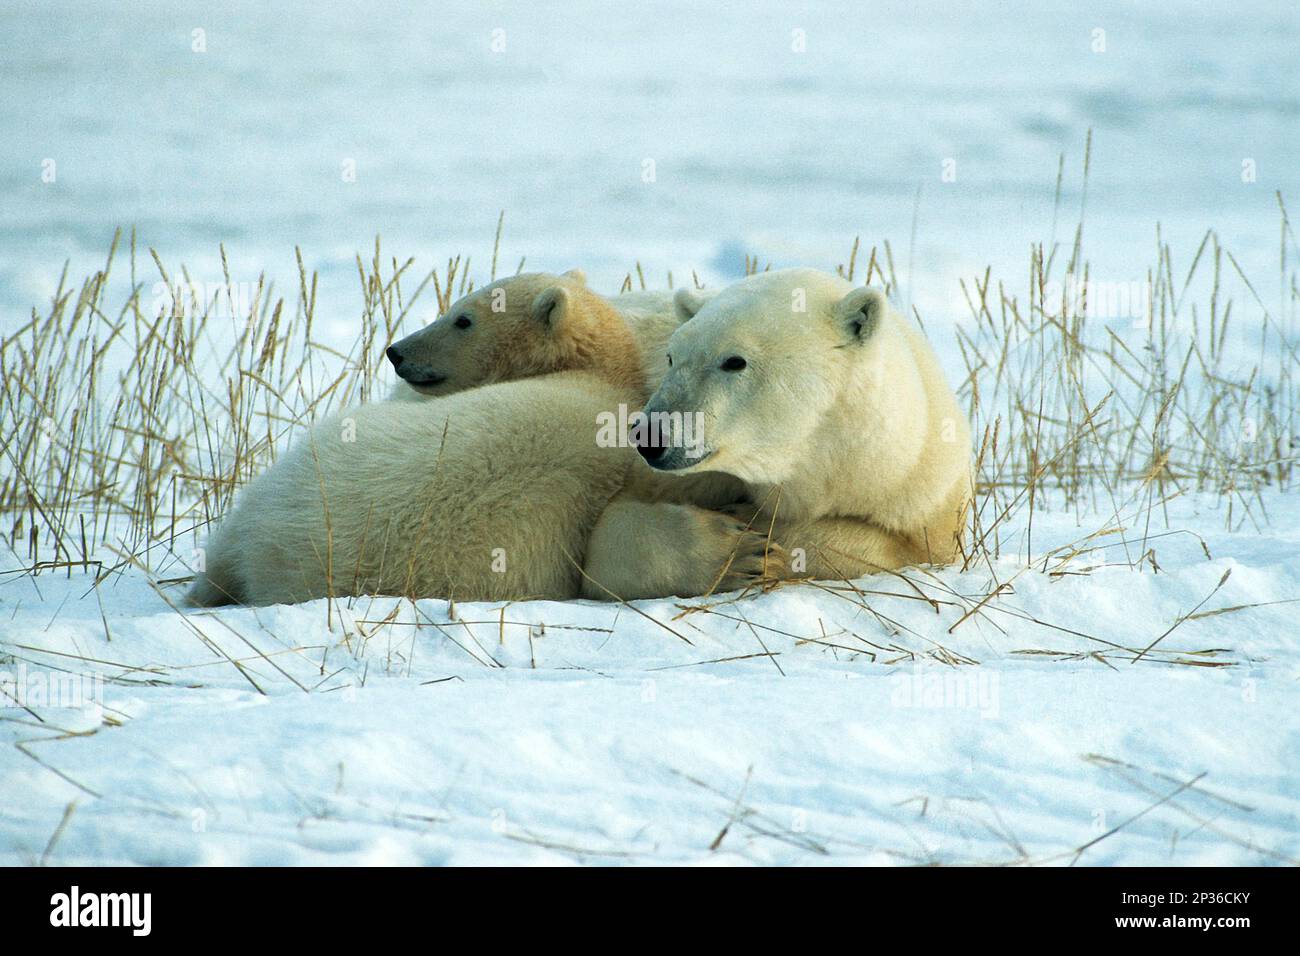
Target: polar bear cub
(489, 336)
(481, 493)
(829, 407)
(433, 360)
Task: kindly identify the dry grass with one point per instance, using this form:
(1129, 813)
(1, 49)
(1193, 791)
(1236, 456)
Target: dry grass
(127, 430)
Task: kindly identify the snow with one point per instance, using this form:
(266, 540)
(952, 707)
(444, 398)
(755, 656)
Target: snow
(758, 149)
(908, 723)
(824, 730)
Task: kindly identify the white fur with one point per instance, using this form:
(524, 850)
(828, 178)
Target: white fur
(840, 431)
(652, 316)
(487, 494)
(484, 492)
(841, 427)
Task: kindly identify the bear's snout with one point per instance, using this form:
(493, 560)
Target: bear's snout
(416, 374)
(647, 447)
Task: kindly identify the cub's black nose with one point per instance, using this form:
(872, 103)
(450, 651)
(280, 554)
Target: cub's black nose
(394, 356)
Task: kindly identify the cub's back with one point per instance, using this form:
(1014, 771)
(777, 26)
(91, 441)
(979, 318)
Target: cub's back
(484, 494)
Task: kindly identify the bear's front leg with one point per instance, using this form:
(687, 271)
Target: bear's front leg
(647, 550)
(837, 549)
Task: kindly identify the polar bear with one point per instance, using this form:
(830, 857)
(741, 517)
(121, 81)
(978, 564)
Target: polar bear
(440, 358)
(720, 551)
(834, 413)
(489, 336)
(482, 493)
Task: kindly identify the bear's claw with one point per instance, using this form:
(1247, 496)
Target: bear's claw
(754, 559)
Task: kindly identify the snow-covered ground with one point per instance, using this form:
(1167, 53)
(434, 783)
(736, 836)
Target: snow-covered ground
(806, 725)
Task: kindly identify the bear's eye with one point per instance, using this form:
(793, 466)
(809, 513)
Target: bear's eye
(462, 322)
(733, 364)
(670, 361)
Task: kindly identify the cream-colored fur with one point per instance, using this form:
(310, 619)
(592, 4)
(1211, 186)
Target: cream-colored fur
(487, 493)
(840, 425)
(651, 317)
(718, 548)
(489, 336)
(461, 360)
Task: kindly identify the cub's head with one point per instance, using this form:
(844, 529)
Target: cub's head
(527, 325)
(758, 367)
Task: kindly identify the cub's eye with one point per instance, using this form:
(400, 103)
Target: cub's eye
(733, 364)
(670, 361)
(462, 322)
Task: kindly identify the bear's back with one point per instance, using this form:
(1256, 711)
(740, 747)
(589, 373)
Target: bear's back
(419, 498)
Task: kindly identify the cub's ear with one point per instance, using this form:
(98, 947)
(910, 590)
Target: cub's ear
(551, 306)
(577, 275)
(688, 301)
(860, 313)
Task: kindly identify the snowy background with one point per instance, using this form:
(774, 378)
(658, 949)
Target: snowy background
(757, 149)
(818, 732)
(908, 723)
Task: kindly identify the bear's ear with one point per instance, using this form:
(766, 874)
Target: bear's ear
(551, 306)
(689, 301)
(577, 275)
(860, 312)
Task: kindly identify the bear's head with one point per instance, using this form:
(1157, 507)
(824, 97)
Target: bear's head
(527, 325)
(774, 369)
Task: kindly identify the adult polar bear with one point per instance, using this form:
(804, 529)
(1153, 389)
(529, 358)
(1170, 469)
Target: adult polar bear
(831, 409)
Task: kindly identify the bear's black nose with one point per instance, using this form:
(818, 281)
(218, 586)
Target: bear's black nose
(649, 451)
(394, 356)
